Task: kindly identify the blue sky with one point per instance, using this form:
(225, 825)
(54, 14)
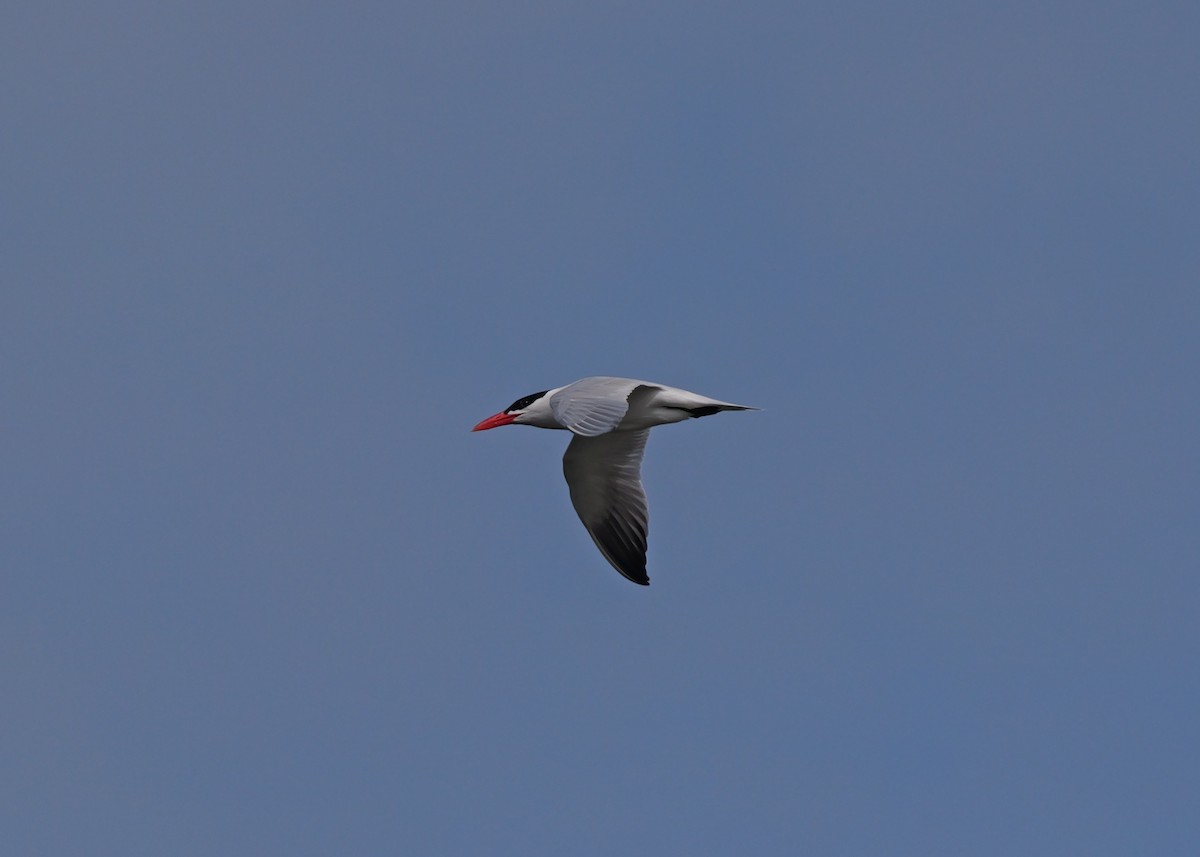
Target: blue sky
(264, 593)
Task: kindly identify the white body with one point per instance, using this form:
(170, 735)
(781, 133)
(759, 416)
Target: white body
(601, 404)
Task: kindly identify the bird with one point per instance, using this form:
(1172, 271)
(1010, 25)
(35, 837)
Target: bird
(610, 419)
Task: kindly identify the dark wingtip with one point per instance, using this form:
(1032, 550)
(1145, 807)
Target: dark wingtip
(636, 575)
(709, 410)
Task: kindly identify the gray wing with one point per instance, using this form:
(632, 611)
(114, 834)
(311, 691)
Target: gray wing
(593, 406)
(604, 475)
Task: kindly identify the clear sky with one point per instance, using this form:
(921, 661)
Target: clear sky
(265, 264)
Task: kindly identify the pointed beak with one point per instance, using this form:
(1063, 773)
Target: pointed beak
(500, 419)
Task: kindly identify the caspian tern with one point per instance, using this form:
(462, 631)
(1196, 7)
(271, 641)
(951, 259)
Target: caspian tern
(610, 419)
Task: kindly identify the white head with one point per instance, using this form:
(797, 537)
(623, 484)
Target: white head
(531, 410)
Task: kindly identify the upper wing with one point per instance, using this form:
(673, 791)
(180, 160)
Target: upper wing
(604, 475)
(594, 406)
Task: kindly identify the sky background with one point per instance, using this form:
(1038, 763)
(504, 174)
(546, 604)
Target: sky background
(265, 264)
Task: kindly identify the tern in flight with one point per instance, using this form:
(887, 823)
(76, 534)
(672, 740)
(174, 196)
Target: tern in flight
(610, 419)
